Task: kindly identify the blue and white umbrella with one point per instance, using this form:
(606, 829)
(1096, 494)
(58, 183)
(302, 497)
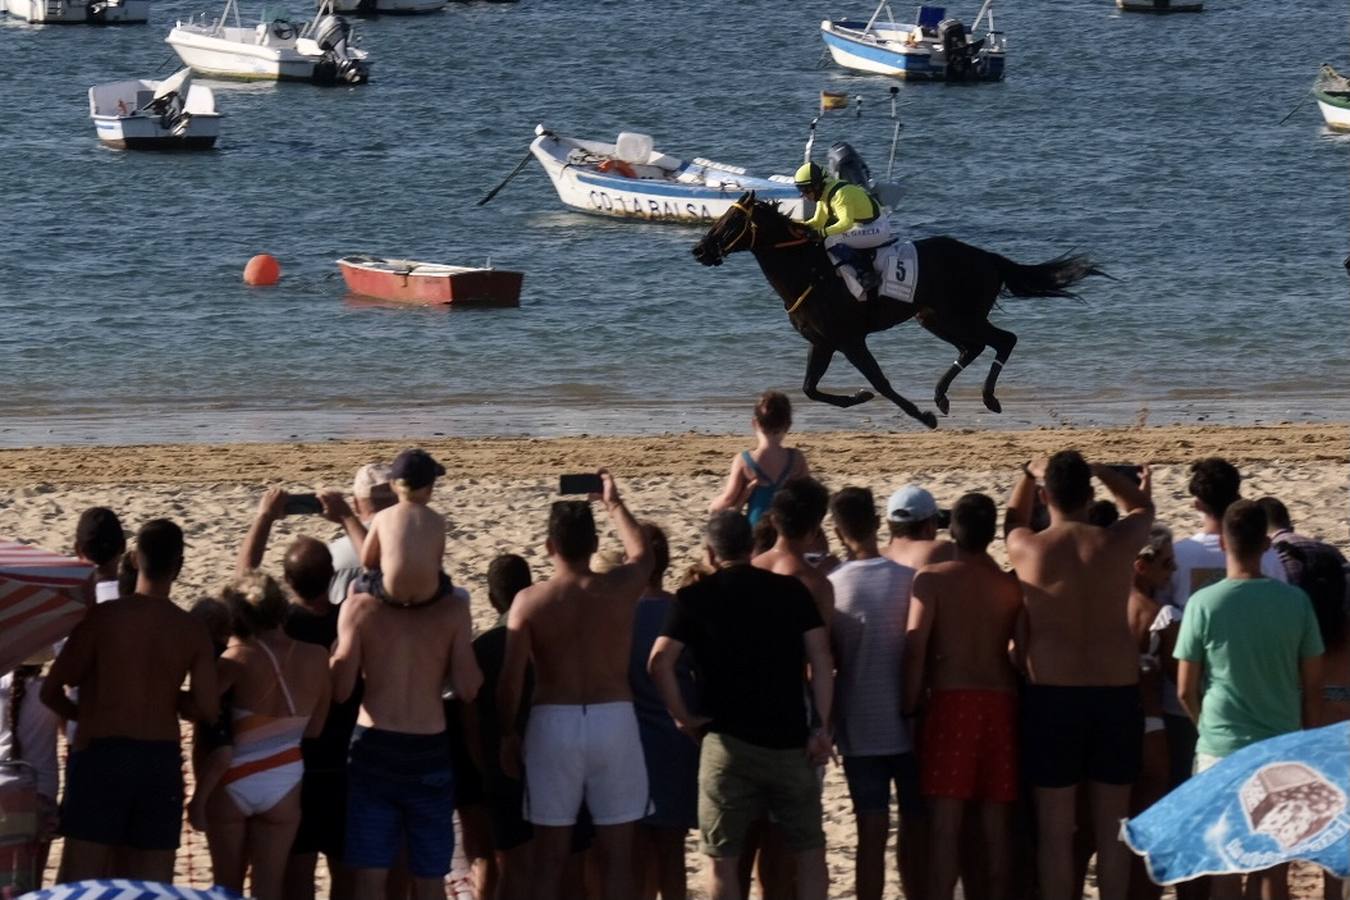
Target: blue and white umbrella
(1276, 801)
(122, 889)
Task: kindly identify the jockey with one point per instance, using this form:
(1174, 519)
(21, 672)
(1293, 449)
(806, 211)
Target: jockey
(848, 217)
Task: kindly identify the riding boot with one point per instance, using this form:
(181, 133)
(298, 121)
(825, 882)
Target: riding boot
(855, 285)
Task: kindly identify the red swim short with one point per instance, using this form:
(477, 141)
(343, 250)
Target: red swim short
(969, 746)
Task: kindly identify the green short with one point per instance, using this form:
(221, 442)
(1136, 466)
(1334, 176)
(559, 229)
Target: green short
(740, 783)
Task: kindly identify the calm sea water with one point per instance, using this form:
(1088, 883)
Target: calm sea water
(1151, 143)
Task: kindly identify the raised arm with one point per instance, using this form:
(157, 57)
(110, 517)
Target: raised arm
(465, 677)
(917, 632)
(336, 510)
(271, 507)
(1022, 502)
(637, 568)
(1130, 497)
(345, 664)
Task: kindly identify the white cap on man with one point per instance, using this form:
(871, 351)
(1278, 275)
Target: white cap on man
(369, 477)
(910, 504)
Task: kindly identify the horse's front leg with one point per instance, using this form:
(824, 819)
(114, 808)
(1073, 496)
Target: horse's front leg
(817, 361)
(866, 363)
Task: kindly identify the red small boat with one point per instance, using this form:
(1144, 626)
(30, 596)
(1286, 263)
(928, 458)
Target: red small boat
(429, 284)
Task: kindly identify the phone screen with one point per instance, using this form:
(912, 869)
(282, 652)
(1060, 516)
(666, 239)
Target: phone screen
(303, 505)
(588, 483)
(1129, 471)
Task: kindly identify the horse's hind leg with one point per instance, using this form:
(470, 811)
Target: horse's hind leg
(1003, 343)
(965, 356)
(816, 363)
(863, 360)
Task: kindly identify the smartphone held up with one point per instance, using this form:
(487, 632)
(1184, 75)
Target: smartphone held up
(587, 483)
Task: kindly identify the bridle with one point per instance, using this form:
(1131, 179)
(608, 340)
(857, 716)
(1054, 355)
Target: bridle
(750, 227)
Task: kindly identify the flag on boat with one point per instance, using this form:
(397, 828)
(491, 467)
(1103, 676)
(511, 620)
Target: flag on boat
(123, 889)
(833, 100)
(1270, 803)
(43, 596)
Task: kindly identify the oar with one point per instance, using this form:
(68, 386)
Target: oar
(1294, 110)
(520, 165)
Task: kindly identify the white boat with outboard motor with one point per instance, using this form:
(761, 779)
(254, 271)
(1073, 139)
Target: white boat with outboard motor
(78, 12)
(934, 48)
(281, 50)
(631, 179)
(173, 114)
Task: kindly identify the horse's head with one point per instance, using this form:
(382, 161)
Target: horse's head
(731, 233)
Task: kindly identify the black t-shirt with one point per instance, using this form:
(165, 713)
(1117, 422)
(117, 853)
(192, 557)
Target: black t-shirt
(328, 751)
(744, 628)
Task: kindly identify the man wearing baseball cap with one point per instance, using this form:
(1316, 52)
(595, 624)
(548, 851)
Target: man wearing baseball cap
(371, 492)
(914, 519)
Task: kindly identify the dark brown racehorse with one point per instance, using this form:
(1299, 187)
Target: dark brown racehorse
(957, 287)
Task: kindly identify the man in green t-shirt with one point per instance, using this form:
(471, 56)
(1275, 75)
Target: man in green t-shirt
(1255, 645)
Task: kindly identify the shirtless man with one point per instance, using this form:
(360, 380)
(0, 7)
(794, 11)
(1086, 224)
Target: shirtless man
(962, 616)
(123, 807)
(405, 543)
(913, 517)
(582, 740)
(1082, 720)
(796, 511)
(400, 790)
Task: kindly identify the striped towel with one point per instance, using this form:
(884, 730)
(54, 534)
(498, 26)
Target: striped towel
(43, 596)
(122, 889)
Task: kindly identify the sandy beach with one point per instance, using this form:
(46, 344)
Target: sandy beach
(496, 494)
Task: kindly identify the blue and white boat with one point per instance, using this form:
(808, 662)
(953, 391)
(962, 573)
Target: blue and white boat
(631, 179)
(934, 48)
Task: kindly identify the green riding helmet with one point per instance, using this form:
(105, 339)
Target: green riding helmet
(810, 175)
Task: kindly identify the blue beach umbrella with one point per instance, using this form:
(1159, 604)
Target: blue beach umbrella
(1276, 801)
(122, 889)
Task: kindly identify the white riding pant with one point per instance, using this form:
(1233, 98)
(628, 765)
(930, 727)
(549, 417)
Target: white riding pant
(863, 236)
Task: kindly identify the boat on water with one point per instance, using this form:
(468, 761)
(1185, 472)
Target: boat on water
(429, 284)
(631, 179)
(1332, 90)
(1160, 6)
(280, 50)
(78, 12)
(387, 7)
(934, 48)
(173, 114)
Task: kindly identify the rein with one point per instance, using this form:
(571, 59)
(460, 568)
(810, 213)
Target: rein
(752, 228)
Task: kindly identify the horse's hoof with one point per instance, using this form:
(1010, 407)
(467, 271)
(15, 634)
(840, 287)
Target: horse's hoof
(991, 403)
(862, 397)
(943, 404)
(928, 419)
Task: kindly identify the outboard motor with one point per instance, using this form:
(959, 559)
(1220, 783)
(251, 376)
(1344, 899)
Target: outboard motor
(331, 33)
(957, 50)
(846, 164)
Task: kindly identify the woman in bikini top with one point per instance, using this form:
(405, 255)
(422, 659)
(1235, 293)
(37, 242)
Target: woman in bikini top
(756, 475)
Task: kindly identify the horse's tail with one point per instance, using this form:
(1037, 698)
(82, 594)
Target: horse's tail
(1047, 279)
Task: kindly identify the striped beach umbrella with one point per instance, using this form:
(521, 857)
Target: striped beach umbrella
(122, 889)
(43, 596)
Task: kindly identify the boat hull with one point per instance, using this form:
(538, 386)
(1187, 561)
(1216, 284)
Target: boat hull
(223, 58)
(145, 133)
(388, 7)
(911, 63)
(1335, 114)
(80, 12)
(435, 287)
(1160, 6)
(652, 201)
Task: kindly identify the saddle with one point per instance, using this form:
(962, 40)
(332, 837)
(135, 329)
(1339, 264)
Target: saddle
(895, 267)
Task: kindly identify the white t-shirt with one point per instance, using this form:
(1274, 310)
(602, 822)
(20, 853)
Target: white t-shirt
(37, 728)
(1200, 563)
(871, 611)
(346, 566)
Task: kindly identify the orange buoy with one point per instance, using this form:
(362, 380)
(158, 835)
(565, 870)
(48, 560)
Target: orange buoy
(262, 269)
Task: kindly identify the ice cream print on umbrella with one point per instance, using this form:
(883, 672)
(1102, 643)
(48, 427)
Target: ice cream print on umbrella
(1272, 802)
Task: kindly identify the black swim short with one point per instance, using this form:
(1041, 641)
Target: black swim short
(1076, 734)
(323, 815)
(125, 793)
(371, 581)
